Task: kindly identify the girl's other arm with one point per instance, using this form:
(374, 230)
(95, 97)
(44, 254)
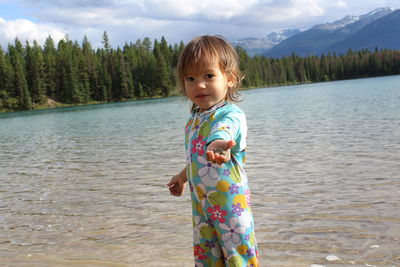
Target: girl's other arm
(177, 184)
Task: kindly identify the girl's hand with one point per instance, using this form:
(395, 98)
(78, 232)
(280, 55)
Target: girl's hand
(177, 184)
(219, 151)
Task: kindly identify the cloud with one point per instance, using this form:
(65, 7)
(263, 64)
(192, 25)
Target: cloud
(112, 12)
(274, 13)
(27, 30)
(341, 3)
(90, 12)
(129, 20)
(155, 18)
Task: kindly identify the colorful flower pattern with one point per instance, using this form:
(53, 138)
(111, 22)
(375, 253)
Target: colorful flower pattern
(216, 213)
(199, 253)
(223, 226)
(198, 145)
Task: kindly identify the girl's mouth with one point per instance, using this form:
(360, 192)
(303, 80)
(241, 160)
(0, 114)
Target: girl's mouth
(201, 96)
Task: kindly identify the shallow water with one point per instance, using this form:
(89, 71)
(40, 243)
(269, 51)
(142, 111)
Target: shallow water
(86, 186)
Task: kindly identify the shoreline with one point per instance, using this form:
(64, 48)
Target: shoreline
(53, 104)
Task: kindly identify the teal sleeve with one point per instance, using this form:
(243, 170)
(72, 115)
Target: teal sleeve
(226, 129)
(230, 127)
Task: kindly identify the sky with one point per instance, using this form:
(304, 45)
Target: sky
(126, 21)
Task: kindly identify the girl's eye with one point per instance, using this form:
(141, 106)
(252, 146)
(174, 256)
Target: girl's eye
(189, 79)
(210, 76)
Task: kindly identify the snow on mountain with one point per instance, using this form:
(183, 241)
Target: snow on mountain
(313, 41)
(347, 20)
(338, 24)
(279, 36)
(253, 45)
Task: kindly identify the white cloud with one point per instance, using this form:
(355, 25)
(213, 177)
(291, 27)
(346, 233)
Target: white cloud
(128, 20)
(27, 30)
(341, 3)
(276, 12)
(206, 10)
(97, 13)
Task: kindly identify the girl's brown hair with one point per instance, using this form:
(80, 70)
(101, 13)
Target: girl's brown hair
(205, 50)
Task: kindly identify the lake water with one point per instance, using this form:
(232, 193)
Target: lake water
(86, 186)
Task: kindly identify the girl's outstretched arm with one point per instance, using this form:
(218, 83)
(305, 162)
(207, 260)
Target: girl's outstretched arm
(219, 151)
(177, 184)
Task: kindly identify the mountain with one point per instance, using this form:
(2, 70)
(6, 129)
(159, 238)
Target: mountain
(320, 38)
(381, 33)
(276, 37)
(259, 46)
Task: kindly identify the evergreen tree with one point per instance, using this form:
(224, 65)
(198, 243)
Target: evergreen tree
(106, 42)
(6, 83)
(67, 79)
(20, 85)
(105, 85)
(35, 73)
(139, 90)
(50, 69)
(81, 92)
(122, 83)
(132, 67)
(150, 75)
(166, 51)
(147, 43)
(244, 65)
(162, 78)
(86, 70)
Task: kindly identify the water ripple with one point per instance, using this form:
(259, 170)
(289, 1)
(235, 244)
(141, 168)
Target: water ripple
(87, 186)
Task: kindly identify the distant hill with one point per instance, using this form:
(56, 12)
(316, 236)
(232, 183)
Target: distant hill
(381, 33)
(323, 38)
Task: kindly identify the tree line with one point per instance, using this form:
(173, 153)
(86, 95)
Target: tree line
(264, 71)
(74, 73)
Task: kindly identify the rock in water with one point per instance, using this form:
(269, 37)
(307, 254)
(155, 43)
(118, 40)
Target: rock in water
(332, 258)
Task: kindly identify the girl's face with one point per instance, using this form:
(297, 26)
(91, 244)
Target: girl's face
(207, 88)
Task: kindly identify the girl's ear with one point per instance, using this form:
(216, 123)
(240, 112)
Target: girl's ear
(230, 80)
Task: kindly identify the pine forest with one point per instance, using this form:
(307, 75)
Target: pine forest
(69, 73)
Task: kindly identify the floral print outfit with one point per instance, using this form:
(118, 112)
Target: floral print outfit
(223, 225)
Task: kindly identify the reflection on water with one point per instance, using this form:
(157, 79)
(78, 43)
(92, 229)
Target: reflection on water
(86, 186)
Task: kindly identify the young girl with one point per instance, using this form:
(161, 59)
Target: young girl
(215, 147)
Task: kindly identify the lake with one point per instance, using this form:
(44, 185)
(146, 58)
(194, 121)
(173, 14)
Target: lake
(85, 186)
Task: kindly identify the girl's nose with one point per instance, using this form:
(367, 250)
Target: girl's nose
(201, 84)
